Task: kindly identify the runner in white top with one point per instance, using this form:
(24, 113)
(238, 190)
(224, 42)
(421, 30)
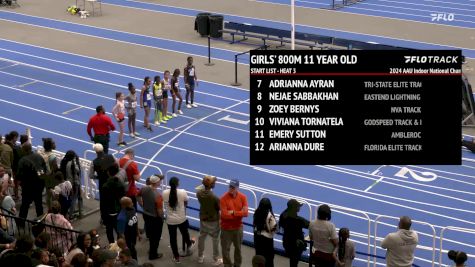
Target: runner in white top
(119, 114)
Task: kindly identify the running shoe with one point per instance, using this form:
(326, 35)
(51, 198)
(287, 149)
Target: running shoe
(174, 115)
(137, 134)
(150, 128)
(124, 143)
(194, 105)
(218, 262)
(188, 106)
(201, 259)
(180, 112)
(132, 135)
(163, 121)
(169, 117)
(176, 260)
(121, 144)
(157, 123)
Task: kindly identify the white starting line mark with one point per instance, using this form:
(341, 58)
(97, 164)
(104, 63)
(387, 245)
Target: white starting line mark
(228, 118)
(26, 84)
(71, 110)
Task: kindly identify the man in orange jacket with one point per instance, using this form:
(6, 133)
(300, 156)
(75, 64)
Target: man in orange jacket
(233, 205)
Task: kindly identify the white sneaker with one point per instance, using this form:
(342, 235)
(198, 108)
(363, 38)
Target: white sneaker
(218, 262)
(180, 112)
(194, 105)
(201, 259)
(174, 115)
(157, 123)
(188, 106)
(132, 135)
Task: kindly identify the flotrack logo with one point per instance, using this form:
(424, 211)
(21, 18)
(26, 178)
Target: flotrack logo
(442, 16)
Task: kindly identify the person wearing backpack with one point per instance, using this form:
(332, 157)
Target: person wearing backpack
(131, 169)
(113, 191)
(51, 168)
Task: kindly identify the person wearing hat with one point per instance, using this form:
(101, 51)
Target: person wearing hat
(209, 218)
(152, 204)
(293, 225)
(323, 234)
(233, 205)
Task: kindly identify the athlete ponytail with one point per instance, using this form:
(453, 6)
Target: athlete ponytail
(173, 199)
(343, 235)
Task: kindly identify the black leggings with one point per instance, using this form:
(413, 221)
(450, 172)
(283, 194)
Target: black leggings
(173, 235)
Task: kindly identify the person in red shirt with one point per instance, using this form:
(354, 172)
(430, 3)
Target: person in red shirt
(102, 125)
(133, 174)
(233, 206)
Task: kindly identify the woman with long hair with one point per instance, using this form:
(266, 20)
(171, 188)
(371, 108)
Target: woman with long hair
(132, 110)
(176, 92)
(118, 111)
(265, 227)
(158, 99)
(146, 101)
(83, 246)
(175, 201)
(345, 251)
(166, 87)
(71, 169)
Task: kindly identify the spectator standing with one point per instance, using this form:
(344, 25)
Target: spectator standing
(293, 238)
(158, 99)
(323, 234)
(118, 111)
(71, 169)
(345, 252)
(63, 192)
(152, 203)
(133, 175)
(400, 245)
(458, 257)
(16, 158)
(132, 110)
(265, 227)
(176, 92)
(102, 126)
(30, 168)
(209, 218)
(234, 207)
(6, 155)
(113, 191)
(98, 170)
(51, 168)
(127, 225)
(60, 238)
(146, 101)
(191, 80)
(167, 87)
(175, 201)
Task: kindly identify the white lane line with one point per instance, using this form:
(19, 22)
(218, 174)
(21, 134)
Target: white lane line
(71, 110)
(9, 66)
(374, 184)
(186, 129)
(25, 84)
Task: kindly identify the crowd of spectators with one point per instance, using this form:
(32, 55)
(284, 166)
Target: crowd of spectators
(41, 173)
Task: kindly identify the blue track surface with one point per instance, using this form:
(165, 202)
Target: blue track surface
(458, 13)
(42, 84)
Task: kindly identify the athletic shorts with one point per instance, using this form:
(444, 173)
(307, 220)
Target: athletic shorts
(165, 94)
(147, 103)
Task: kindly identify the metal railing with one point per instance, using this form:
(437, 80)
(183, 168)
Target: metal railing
(61, 238)
(236, 83)
(396, 218)
(451, 228)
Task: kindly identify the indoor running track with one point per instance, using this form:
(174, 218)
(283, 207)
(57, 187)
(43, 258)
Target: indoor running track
(55, 93)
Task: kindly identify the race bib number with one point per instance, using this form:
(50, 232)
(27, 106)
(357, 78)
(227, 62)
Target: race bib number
(133, 104)
(176, 84)
(149, 96)
(192, 72)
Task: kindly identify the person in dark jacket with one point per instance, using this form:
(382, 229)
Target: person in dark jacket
(113, 191)
(209, 218)
(30, 168)
(127, 225)
(293, 225)
(98, 170)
